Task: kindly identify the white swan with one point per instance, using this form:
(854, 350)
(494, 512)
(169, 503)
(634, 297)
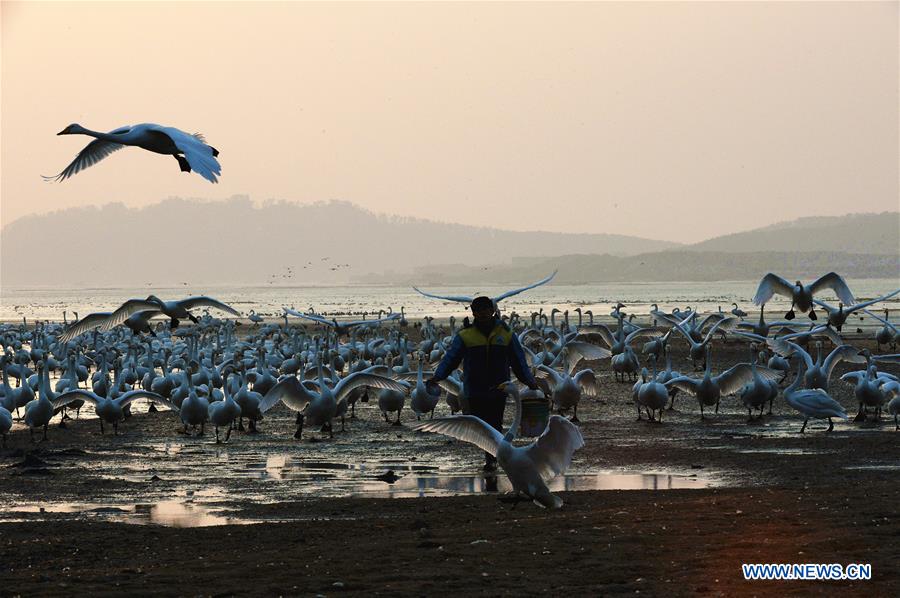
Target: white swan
(341, 328)
(497, 299)
(527, 467)
(838, 315)
(111, 411)
(175, 310)
(801, 296)
(892, 391)
(191, 151)
(223, 413)
(319, 408)
(5, 423)
(812, 402)
(710, 389)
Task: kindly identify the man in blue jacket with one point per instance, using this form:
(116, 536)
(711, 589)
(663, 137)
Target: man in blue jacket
(487, 349)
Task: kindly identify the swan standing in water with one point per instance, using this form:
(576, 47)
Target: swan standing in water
(527, 467)
(801, 296)
(191, 151)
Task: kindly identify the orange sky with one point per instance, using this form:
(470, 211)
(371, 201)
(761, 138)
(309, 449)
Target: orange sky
(676, 121)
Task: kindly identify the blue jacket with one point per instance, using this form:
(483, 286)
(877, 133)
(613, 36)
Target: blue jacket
(486, 359)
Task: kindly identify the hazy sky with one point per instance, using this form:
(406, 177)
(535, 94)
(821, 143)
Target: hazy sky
(676, 121)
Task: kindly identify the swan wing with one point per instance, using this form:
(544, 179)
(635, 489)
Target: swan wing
(868, 303)
(390, 318)
(751, 336)
(587, 380)
(83, 325)
(203, 301)
(552, 452)
(590, 333)
(548, 372)
(819, 401)
(723, 324)
(74, 395)
(290, 392)
(134, 395)
(648, 332)
(458, 298)
(734, 378)
(92, 153)
(842, 353)
(126, 310)
(314, 318)
(786, 348)
(854, 376)
(895, 358)
(503, 296)
(579, 350)
(199, 155)
(467, 428)
(452, 386)
(771, 284)
(357, 379)
(882, 320)
(837, 284)
(685, 384)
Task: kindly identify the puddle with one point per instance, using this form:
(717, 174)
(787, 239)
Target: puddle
(203, 507)
(884, 467)
(413, 486)
(171, 513)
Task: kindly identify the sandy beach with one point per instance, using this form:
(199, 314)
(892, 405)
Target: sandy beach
(298, 524)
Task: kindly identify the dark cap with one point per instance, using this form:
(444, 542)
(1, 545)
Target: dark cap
(482, 302)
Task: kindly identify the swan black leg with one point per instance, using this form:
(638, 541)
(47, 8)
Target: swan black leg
(813, 316)
(830, 425)
(299, 433)
(397, 422)
(803, 429)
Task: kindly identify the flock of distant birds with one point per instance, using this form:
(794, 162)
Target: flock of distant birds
(208, 375)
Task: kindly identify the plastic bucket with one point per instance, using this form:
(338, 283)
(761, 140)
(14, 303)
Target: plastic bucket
(535, 415)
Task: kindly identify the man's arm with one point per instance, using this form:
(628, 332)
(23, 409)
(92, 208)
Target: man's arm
(451, 360)
(519, 365)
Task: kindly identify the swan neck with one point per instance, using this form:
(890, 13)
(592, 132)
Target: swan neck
(517, 419)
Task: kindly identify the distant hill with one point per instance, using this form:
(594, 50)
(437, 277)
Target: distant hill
(233, 241)
(853, 233)
(667, 266)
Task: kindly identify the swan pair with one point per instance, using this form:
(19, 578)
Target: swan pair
(527, 467)
(176, 310)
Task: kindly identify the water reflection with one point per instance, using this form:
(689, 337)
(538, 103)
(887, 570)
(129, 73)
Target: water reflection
(412, 486)
(170, 513)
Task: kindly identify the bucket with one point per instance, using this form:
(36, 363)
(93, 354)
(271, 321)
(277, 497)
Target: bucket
(535, 415)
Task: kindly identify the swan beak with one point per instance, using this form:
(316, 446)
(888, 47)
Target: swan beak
(63, 132)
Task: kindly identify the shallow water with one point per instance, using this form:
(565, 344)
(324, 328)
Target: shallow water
(208, 507)
(49, 303)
